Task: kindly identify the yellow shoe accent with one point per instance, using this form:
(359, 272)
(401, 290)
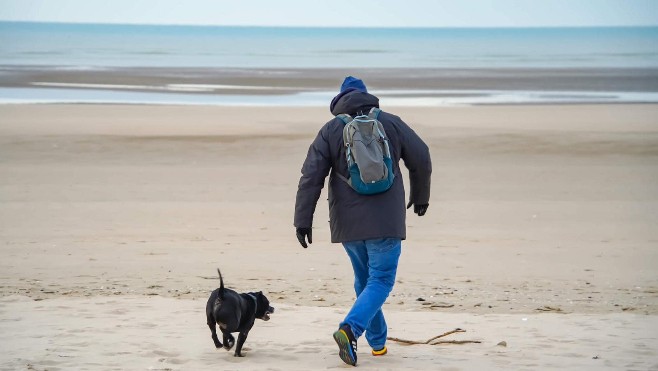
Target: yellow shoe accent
(380, 352)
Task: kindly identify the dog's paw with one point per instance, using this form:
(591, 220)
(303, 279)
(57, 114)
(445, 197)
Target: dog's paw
(229, 342)
(238, 355)
(215, 340)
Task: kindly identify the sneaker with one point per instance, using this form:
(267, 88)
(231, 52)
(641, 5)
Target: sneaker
(380, 352)
(346, 345)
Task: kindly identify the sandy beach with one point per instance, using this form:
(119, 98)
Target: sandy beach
(541, 233)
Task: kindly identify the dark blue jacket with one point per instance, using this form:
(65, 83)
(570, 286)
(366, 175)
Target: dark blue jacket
(355, 217)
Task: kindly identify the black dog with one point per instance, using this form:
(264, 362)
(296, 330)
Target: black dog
(234, 312)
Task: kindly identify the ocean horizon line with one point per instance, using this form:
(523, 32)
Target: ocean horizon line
(187, 25)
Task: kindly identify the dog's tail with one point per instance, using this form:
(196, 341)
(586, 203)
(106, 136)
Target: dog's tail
(221, 284)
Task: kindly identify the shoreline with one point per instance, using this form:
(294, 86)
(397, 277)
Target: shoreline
(315, 87)
(391, 98)
(309, 79)
(321, 104)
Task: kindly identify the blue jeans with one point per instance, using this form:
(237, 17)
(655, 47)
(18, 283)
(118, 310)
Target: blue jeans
(375, 263)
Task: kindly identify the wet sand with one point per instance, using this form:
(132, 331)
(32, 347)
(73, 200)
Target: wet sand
(288, 81)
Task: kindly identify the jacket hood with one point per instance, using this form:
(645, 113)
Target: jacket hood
(351, 101)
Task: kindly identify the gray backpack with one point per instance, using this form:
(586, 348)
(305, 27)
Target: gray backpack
(368, 154)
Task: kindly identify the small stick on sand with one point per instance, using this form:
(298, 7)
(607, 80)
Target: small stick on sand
(403, 341)
(546, 308)
(445, 334)
(429, 341)
(457, 342)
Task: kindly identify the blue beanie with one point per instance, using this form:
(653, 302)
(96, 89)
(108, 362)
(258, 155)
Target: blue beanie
(353, 83)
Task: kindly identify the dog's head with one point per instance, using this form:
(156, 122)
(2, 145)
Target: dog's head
(264, 309)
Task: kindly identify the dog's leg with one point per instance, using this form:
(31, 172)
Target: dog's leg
(241, 339)
(213, 331)
(229, 340)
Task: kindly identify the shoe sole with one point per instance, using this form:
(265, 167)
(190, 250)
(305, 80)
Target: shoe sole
(378, 353)
(345, 348)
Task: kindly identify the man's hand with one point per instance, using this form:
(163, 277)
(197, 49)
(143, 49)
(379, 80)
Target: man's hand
(302, 234)
(419, 209)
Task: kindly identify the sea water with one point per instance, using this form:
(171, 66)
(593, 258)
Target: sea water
(101, 46)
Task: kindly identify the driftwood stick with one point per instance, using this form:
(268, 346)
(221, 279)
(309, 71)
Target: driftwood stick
(404, 341)
(456, 342)
(414, 342)
(445, 334)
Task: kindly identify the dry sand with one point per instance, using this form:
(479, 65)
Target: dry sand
(114, 218)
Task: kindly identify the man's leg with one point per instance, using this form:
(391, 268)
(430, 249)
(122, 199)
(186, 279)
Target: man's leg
(358, 254)
(376, 330)
(344, 337)
(383, 259)
(366, 313)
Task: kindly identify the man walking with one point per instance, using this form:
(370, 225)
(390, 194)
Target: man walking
(370, 226)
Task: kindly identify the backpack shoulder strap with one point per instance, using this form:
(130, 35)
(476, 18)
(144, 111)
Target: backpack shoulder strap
(343, 178)
(345, 118)
(374, 113)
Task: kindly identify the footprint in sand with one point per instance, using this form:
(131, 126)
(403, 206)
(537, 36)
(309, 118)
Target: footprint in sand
(312, 350)
(162, 353)
(175, 361)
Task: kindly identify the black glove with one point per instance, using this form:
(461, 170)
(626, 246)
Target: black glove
(302, 234)
(419, 209)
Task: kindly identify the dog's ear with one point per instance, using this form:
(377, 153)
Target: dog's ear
(263, 299)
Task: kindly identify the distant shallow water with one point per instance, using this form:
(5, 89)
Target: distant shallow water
(412, 98)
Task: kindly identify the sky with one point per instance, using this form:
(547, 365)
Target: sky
(336, 13)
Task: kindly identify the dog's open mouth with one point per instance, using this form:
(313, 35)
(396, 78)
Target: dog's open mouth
(266, 316)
